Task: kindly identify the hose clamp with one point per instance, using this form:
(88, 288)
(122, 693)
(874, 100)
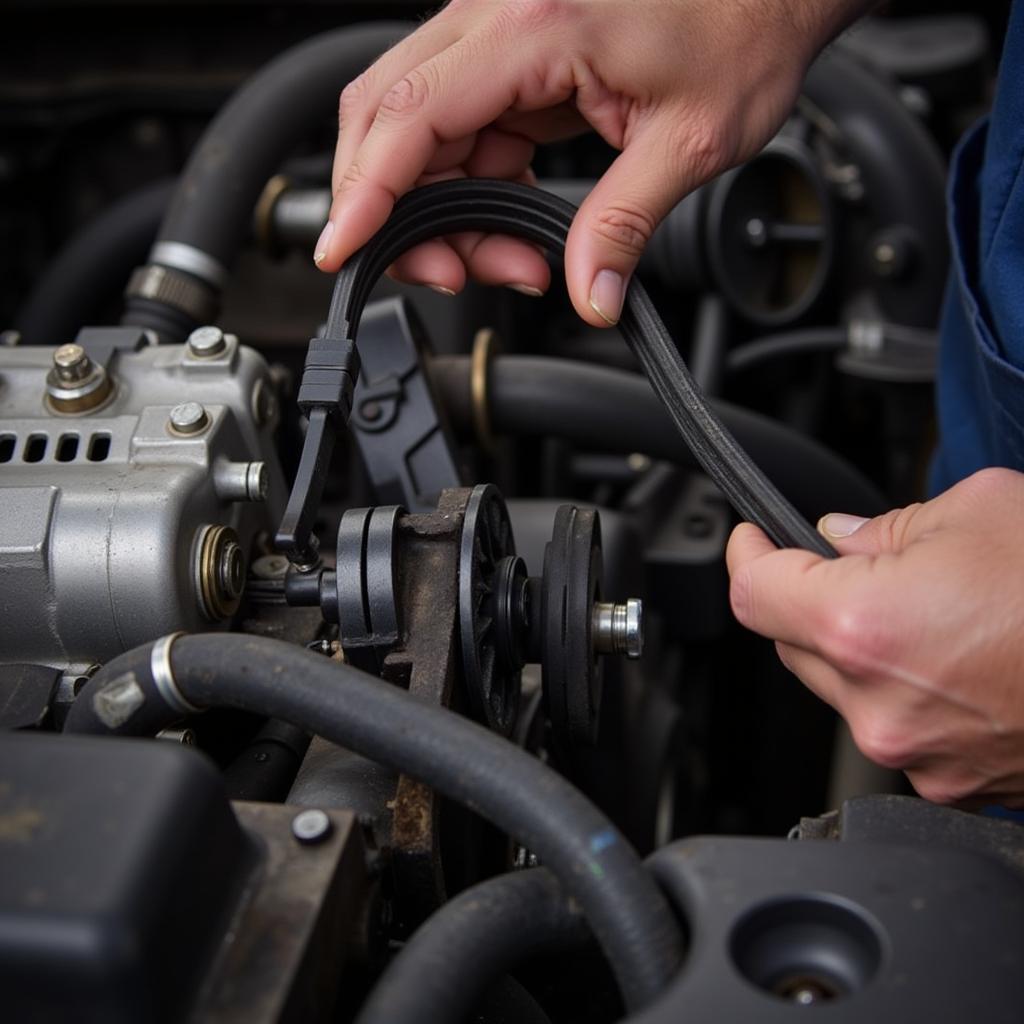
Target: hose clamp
(181, 291)
(190, 260)
(163, 676)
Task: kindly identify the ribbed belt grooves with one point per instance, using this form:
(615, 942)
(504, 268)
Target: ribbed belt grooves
(510, 209)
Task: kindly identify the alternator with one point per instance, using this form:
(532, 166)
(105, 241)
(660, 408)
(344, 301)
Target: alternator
(134, 479)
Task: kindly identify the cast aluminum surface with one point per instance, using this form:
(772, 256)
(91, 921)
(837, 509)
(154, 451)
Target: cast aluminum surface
(99, 513)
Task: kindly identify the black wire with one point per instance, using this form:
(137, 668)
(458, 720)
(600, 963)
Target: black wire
(511, 209)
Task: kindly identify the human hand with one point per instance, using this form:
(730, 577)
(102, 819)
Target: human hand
(915, 635)
(684, 88)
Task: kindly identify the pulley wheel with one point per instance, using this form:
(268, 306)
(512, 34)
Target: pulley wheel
(572, 672)
(492, 683)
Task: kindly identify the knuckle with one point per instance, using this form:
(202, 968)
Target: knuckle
(407, 98)
(532, 15)
(855, 638)
(628, 228)
(938, 789)
(352, 98)
(741, 595)
(704, 147)
(352, 175)
(886, 743)
(993, 479)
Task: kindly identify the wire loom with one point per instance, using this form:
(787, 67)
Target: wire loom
(512, 209)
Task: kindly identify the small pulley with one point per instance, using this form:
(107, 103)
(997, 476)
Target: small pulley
(558, 619)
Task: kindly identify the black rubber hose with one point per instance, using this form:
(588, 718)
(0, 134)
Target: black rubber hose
(610, 410)
(469, 943)
(507, 208)
(789, 343)
(463, 761)
(257, 129)
(822, 339)
(92, 267)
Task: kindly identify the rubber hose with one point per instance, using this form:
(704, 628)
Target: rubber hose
(611, 410)
(246, 143)
(469, 943)
(824, 339)
(258, 127)
(92, 267)
(790, 343)
(507, 1002)
(463, 761)
(507, 208)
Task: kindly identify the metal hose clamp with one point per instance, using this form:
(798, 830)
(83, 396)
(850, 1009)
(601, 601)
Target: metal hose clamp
(163, 676)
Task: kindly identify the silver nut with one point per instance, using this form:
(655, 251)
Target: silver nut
(71, 364)
(311, 827)
(188, 418)
(256, 481)
(618, 628)
(206, 342)
(633, 629)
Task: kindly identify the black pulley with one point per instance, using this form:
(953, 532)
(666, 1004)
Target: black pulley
(571, 588)
(487, 552)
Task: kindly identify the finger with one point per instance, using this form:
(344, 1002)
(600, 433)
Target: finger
(786, 595)
(434, 263)
(888, 533)
(361, 98)
(501, 260)
(499, 154)
(449, 97)
(616, 221)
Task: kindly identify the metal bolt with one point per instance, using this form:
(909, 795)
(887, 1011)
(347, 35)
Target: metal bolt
(206, 342)
(619, 628)
(188, 418)
(311, 827)
(186, 737)
(240, 481)
(71, 364)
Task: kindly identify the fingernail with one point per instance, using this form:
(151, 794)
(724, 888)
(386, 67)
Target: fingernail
(322, 242)
(839, 524)
(440, 289)
(526, 289)
(606, 295)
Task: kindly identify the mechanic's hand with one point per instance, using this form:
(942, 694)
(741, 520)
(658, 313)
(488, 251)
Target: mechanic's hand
(684, 88)
(915, 636)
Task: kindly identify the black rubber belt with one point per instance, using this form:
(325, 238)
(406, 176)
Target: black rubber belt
(510, 209)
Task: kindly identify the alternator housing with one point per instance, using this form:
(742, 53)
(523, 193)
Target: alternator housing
(103, 514)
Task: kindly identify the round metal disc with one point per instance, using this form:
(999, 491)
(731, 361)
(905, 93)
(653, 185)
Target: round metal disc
(486, 539)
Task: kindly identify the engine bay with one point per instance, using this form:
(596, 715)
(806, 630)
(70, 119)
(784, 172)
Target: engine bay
(366, 653)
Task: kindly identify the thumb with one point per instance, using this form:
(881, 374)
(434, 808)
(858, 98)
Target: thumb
(617, 219)
(885, 534)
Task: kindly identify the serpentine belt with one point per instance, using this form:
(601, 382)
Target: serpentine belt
(511, 209)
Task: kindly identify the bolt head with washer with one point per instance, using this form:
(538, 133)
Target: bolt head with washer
(311, 827)
(188, 418)
(206, 342)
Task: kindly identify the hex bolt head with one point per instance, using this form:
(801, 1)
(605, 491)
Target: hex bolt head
(71, 364)
(188, 418)
(311, 827)
(206, 342)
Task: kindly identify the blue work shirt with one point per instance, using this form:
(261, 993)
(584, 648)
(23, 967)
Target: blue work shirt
(981, 361)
